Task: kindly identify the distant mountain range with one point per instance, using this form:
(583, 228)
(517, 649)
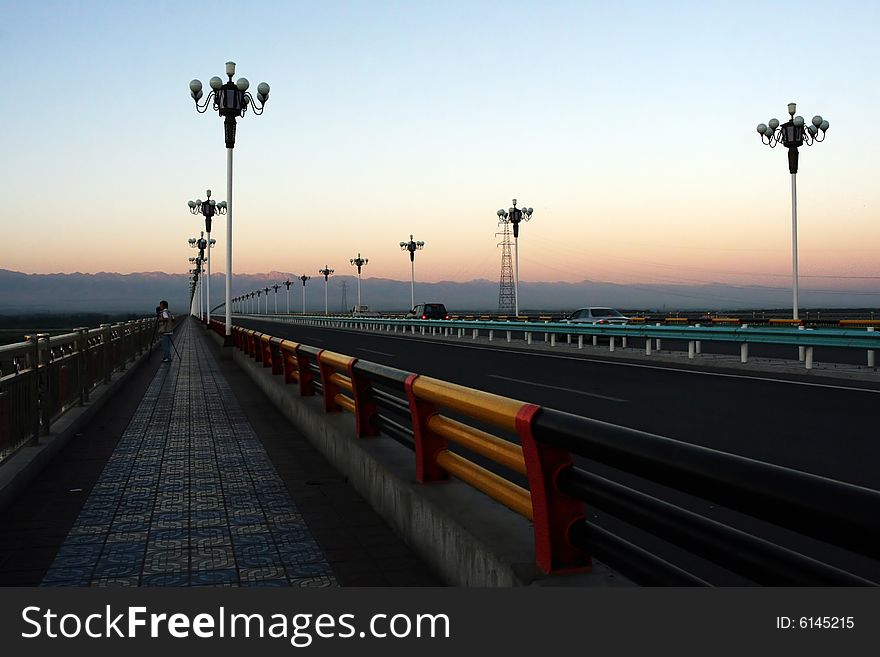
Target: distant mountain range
(140, 292)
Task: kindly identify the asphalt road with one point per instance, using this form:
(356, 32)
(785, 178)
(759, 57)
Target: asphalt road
(827, 427)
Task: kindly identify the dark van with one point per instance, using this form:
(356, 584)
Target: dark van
(428, 311)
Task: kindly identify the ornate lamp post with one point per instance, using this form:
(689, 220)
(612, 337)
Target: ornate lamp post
(208, 209)
(327, 272)
(793, 134)
(304, 278)
(514, 216)
(412, 247)
(259, 294)
(275, 287)
(266, 290)
(359, 262)
(201, 244)
(230, 100)
(287, 284)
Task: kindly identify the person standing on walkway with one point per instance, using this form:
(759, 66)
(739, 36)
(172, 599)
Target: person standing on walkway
(164, 317)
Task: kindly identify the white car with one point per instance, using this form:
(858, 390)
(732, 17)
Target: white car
(596, 315)
(363, 311)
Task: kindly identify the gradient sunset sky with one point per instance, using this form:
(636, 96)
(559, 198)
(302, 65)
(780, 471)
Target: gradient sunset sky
(628, 127)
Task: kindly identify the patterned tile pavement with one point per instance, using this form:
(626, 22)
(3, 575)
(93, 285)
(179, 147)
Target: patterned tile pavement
(189, 496)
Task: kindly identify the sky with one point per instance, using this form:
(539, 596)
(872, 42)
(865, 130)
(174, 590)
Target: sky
(628, 127)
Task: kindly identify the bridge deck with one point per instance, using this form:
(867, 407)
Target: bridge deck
(190, 496)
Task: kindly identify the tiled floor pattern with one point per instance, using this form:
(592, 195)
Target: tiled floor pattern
(189, 496)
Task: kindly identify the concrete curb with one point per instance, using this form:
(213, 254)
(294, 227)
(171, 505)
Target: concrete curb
(469, 539)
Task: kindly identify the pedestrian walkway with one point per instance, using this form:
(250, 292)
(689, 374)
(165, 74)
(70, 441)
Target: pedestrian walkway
(189, 496)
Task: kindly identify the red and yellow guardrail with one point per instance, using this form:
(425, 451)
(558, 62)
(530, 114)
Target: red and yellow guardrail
(774, 321)
(434, 432)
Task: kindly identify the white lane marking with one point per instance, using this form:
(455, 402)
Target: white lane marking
(373, 351)
(522, 352)
(544, 385)
(309, 337)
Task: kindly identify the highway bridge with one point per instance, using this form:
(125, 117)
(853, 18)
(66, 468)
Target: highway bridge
(315, 452)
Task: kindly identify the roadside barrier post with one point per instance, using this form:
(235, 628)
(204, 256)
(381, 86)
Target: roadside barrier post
(82, 366)
(106, 348)
(691, 348)
(34, 358)
(801, 351)
(553, 511)
(744, 352)
(427, 443)
(808, 357)
(870, 351)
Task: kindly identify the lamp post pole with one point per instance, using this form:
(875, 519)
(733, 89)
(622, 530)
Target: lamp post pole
(359, 262)
(201, 244)
(326, 272)
(792, 134)
(266, 290)
(412, 246)
(230, 100)
(275, 287)
(208, 208)
(515, 215)
(287, 284)
(304, 278)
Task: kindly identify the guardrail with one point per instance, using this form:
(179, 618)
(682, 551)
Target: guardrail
(45, 376)
(531, 452)
(806, 339)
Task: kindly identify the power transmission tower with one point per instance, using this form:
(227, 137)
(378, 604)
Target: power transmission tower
(506, 297)
(344, 296)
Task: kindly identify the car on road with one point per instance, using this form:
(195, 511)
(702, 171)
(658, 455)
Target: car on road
(596, 315)
(428, 311)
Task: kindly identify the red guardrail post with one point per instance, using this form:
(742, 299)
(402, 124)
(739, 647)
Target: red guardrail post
(554, 512)
(365, 410)
(288, 364)
(277, 359)
(266, 349)
(428, 444)
(306, 376)
(330, 389)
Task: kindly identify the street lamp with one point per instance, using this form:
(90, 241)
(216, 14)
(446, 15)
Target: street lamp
(304, 278)
(326, 272)
(266, 290)
(197, 261)
(514, 216)
(259, 294)
(792, 134)
(201, 244)
(412, 247)
(208, 209)
(230, 100)
(287, 284)
(359, 262)
(275, 287)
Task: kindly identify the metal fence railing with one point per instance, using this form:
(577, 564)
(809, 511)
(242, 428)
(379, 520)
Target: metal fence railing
(849, 336)
(43, 377)
(528, 458)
